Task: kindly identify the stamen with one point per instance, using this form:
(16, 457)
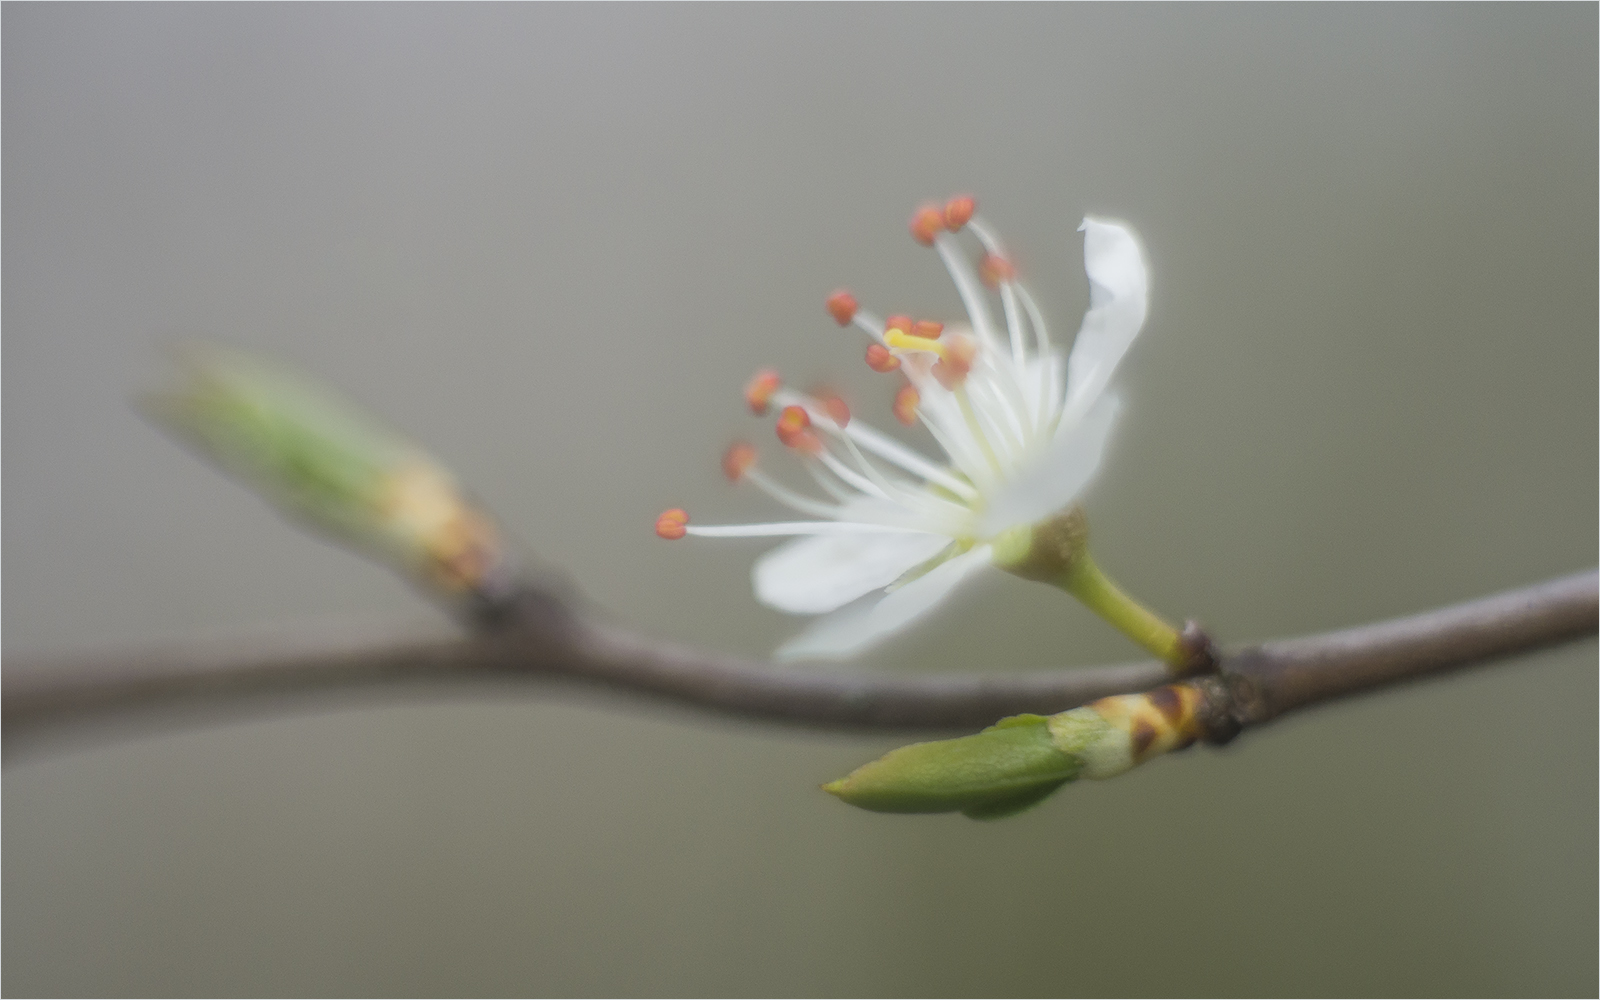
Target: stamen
(880, 360)
(957, 211)
(905, 404)
(977, 429)
(789, 498)
(897, 322)
(927, 328)
(850, 476)
(818, 466)
(926, 223)
(955, 361)
(835, 408)
(842, 307)
(739, 457)
(673, 524)
(995, 270)
(798, 528)
(967, 285)
(898, 454)
(758, 393)
(794, 430)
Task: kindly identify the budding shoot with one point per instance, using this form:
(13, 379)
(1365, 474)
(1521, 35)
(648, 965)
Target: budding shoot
(672, 524)
(842, 307)
(759, 392)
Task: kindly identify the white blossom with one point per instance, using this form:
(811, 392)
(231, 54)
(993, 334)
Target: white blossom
(1022, 434)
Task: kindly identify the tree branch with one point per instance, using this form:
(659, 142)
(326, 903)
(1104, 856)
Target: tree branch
(550, 640)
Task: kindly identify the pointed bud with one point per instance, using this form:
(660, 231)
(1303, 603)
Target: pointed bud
(320, 459)
(1003, 770)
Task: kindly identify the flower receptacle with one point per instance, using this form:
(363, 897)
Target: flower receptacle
(1056, 551)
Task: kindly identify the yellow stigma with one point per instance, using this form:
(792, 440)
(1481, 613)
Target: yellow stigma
(903, 341)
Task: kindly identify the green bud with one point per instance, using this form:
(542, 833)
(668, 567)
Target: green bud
(1001, 771)
(321, 460)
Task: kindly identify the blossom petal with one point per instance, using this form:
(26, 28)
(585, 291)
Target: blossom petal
(1119, 298)
(1057, 476)
(819, 574)
(851, 630)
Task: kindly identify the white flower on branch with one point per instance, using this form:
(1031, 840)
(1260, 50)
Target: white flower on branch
(1022, 434)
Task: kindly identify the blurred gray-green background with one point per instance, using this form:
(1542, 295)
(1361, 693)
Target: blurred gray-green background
(553, 241)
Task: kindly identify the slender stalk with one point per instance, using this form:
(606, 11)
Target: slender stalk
(1088, 583)
(551, 641)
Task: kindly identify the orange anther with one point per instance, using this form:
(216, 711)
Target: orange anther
(880, 360)
(958, 210)
(905, 404)
(791, 422)
(835, 408)
(759, 392)
(951, 370)
(737, 459)
(671, 524)
(807, 441)
(927, 328)
(897, 322)
(995, 270)
(842, 307)
(927, 223)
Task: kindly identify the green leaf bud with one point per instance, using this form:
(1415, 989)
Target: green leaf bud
(321, 460)
(1006, 768)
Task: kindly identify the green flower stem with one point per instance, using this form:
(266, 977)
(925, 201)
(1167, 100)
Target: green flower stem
(1085, 581)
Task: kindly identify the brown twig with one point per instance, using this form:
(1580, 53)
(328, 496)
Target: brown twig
(551, 641)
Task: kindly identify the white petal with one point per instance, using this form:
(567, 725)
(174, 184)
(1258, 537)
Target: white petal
(814, 575)
(1056, 477)
(851, 630)
(1119, 297)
